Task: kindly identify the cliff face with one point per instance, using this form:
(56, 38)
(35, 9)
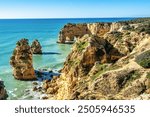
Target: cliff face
(21, 61)
(87, 51)
(3, 93)
(99, 29)
(114, 65)
(71, 32)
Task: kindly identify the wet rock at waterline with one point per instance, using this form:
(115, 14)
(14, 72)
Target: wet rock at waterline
(44, 74)
(3, 92)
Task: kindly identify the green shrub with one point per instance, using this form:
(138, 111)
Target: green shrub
(117, 35)
(144, 59)
(132, 76)
(81, 46)
(144, 25)
(101, 69)
(148, 75)
(144, 28)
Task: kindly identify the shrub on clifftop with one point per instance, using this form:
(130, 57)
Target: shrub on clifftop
(144, 59)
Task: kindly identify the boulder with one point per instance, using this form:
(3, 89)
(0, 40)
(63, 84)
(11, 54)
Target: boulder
(21, 61)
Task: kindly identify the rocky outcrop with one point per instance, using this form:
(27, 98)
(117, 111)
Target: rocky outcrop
(3, 92)
(21, 61)
(115, 26)
(85, 53)
(71, 32)
(106, 66)
(99, 29)
(36, 47)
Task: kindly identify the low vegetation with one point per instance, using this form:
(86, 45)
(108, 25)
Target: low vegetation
(81, 46)
(148, 75)
(144, 25)
(117, 35)
(144, 59)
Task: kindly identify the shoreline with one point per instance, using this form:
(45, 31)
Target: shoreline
(38, 88)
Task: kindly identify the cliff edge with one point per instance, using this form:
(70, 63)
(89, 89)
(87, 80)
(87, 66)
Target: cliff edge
(108, 61)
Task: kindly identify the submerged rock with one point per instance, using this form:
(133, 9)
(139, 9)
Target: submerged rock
(35, 88)
(44, 74)
(35, 83)
(36, 47)
(21, 61)
(3, 92)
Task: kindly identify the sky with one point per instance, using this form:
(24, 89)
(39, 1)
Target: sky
(74, 8)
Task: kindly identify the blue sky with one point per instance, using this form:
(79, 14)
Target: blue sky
(73, 8)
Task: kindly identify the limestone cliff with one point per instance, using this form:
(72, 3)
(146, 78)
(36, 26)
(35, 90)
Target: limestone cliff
(71, 32)
(3, 92)
(21, 61)
(85, 53)
(99, 29)
(112, 65)
(36, 47)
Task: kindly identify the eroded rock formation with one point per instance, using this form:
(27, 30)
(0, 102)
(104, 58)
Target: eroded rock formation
(105, 66)
(3, 92)
(36, 47)
(86, 51)
(99, 29)
(70, 32)
(21, 61)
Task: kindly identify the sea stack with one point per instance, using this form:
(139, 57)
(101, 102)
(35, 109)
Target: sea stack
(3, 93)
(36, 47)
(21, 61)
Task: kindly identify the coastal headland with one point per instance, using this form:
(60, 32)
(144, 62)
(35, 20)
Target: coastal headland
(109, 61)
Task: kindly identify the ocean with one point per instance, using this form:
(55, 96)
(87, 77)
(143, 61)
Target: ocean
(46, 31)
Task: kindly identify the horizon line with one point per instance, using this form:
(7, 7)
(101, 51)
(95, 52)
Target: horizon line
(77, 17)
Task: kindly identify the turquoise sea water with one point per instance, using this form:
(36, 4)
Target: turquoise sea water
(46, 31)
